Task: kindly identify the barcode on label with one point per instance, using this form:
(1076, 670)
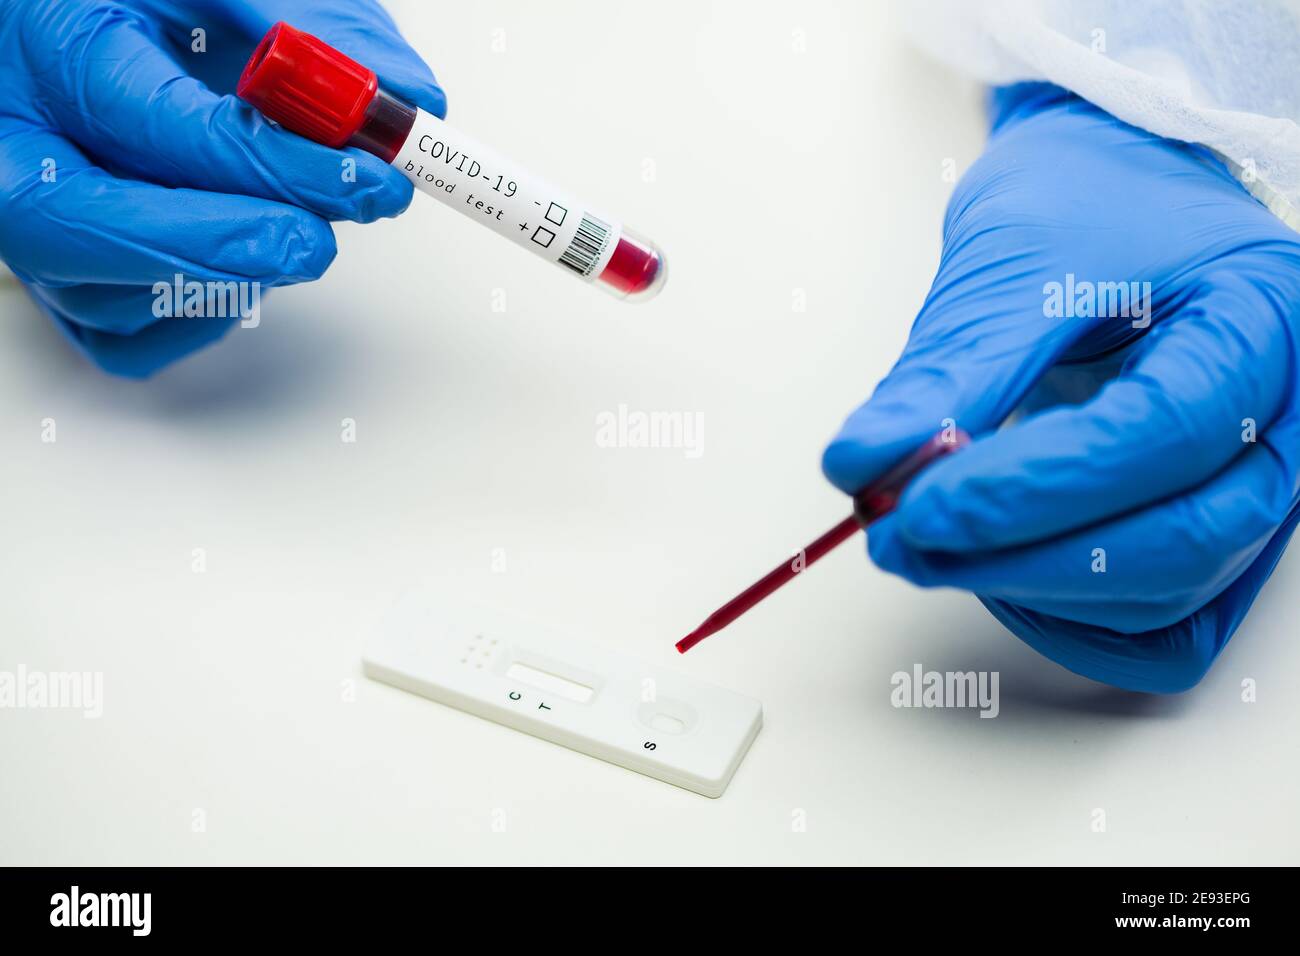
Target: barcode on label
(587, 245)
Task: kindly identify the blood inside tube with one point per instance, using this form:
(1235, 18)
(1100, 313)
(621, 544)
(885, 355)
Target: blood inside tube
(315, 90)
(636, 268)
(387, 124)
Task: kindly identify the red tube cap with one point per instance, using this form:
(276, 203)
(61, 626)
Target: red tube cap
(306, 85)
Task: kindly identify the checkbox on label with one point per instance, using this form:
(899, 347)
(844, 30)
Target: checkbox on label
(543, 236)
(556, 214)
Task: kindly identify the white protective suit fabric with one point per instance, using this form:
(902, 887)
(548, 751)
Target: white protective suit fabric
(1222, 73)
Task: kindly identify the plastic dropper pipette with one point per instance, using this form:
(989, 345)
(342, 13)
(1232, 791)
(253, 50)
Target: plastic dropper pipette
(872, 502)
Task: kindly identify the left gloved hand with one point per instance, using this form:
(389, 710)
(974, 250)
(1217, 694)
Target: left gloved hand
(126, 160)
(1124, 533)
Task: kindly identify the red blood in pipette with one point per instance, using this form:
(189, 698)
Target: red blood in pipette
(769, 582)
(875, 501)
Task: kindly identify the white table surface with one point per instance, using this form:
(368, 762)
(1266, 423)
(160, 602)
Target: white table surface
(228, 692)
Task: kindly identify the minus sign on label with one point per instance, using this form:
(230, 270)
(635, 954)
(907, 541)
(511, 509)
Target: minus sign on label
(536, 203)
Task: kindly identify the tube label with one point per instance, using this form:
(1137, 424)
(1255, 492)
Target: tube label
(473, 178)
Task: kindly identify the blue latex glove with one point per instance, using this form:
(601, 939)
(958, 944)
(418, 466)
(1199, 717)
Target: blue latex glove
(125, 159)
(1150, 473)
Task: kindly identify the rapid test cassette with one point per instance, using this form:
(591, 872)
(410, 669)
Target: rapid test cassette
(580, 695)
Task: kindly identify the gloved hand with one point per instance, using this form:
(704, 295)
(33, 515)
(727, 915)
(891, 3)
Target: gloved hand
(1125, 531)
(126, 160)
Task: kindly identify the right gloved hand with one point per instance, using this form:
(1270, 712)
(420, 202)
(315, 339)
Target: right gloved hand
(1122, 532)
(119, 169)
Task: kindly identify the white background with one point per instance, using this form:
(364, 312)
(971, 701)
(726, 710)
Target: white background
(775, 171)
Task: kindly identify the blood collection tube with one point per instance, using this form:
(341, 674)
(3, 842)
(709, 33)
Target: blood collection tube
(311, 88)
